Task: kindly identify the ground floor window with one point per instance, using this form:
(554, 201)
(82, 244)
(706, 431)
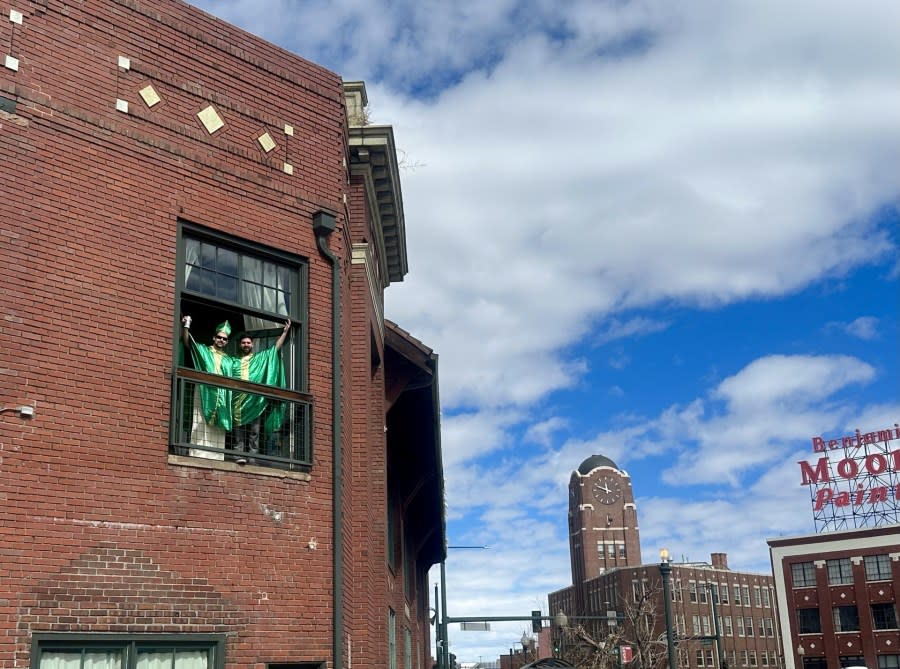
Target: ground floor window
(151, 651)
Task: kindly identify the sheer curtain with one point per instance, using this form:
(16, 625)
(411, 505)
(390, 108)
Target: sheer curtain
(263, 288)
(104, 659)
(168, 659)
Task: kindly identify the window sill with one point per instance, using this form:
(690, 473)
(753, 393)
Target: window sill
(224, 465)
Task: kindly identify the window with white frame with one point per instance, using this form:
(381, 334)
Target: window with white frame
(740, 625)
(745, 592)
(840, 571)
(803, 574)
(748, 625)
(808, 621)
(878, 567)
(757, 596)
(737, 594)
(701, 590)
(723, 588)
(727, 626)
(884, 616)
(846, 618)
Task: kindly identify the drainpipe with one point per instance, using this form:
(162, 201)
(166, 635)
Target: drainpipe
(323, 226)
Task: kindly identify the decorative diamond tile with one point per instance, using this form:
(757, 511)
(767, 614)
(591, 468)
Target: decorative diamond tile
(122, 105)
(843, 595)
(266, 142)
(149, 95)
(124, 63)
(288, 168)
(11, 63)
(210, 119)
(288, 129)
(15, 16)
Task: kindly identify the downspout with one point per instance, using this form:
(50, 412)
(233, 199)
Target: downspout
(323, 226)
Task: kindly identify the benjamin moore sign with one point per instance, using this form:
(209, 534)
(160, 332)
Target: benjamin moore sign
(857, 480)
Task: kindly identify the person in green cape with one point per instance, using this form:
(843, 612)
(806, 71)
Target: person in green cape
(212, 417)
(249, 413)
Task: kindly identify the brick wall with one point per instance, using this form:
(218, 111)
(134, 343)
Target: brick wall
(98, 531)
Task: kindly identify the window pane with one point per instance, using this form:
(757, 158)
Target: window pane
(228, 262)
(228, 289)
(269, 273)
(208, 256)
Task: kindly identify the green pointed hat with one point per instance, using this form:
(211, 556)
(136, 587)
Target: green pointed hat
(224, 327)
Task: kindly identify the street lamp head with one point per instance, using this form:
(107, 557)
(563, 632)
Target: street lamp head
(561, 619)
(664, 555)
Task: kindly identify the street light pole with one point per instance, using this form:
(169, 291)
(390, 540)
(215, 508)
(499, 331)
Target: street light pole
(665, 570)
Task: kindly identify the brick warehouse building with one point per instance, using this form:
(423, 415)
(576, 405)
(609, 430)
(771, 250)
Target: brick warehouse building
(161, 163)
(837, 597)
(616, 592)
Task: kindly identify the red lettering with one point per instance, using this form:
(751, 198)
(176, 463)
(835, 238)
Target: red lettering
(878, 494)
(895, 456)
(823, 496)
(870, 438)
(848, 468)
(847, 442)
(818, 444)
(832, 444)
(885, 435)
(810, 475)
(842, 499)
(860, 493)
(876, 463)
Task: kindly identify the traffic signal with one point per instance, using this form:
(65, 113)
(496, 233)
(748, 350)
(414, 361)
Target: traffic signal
(536, 622)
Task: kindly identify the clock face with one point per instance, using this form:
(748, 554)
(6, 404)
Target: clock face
(607, 489)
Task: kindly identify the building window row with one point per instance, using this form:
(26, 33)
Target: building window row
(840, 571)
(846, 618)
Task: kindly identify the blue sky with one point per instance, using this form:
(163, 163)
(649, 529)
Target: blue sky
(662, 232)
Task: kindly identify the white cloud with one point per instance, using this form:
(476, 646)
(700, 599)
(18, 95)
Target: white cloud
(864, 327)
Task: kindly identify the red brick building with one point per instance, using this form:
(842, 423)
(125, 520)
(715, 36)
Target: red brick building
(615, 592)
(161, 163)
(837, 598)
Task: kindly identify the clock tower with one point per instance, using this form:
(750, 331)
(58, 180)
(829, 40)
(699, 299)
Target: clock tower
(603, 530)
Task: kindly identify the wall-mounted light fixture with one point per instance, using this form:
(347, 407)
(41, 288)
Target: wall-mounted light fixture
(25, 412)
